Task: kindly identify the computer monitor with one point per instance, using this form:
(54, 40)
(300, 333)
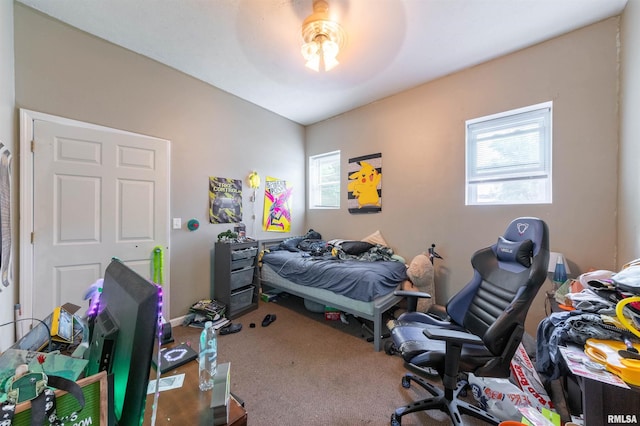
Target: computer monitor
(122, 338)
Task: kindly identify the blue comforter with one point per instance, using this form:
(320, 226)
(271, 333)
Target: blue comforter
(351, 278)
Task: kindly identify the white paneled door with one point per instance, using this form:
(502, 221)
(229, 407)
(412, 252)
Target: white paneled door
(97, 193)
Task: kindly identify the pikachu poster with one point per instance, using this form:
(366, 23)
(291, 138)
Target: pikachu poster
(365, 184)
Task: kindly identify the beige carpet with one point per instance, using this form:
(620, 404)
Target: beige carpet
(303, 370)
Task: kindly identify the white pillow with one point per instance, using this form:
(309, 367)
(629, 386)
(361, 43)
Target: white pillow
(335, 242)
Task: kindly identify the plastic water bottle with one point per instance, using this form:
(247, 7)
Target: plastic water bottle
(208, 357)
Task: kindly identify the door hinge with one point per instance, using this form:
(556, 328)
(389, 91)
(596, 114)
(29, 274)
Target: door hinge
(33, 236)
(33, 146)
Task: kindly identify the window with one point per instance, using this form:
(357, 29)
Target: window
(324, 181)
(509, 157)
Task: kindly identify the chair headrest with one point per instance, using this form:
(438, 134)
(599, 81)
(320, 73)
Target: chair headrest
(514, 251)
(522, 240)
(526, 228)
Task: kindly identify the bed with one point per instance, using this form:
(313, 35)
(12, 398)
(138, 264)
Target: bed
(359, 287)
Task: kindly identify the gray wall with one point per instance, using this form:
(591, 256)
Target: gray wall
(8, 131)
(421, 134)
(629, 178)
(63, 71)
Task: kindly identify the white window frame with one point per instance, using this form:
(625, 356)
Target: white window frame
(536, 172)
(315, 197)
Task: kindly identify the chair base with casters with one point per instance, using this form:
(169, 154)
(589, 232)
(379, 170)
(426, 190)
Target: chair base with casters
(453, 405)
(448, 399)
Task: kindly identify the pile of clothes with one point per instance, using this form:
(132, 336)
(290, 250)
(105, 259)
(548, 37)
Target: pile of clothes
(593, 298)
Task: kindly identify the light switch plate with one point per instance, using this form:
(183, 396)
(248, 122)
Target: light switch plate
(177, 223)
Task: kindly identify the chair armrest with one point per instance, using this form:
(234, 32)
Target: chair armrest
(447, 335)
(408, 293)
(412, 298)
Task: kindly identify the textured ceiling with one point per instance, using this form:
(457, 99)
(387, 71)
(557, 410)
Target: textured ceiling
(251, 48)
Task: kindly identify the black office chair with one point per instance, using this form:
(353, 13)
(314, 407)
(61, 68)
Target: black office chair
(485, 322)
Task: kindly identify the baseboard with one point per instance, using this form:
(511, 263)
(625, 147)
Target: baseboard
(177, 321)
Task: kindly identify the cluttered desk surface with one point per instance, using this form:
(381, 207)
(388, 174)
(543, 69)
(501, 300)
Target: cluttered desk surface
(186, 404)
(181, 402)
(593, 334)
(593, 315)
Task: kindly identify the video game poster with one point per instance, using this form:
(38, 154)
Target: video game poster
(277, 206)
(225, 200)
(364, 189)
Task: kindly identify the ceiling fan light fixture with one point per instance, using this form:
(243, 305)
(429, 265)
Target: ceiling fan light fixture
(323, 38)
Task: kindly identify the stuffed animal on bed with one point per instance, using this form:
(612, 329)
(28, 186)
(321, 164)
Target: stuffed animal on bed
(420, 273)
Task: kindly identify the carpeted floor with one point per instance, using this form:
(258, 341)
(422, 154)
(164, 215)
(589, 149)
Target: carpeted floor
(303, 370)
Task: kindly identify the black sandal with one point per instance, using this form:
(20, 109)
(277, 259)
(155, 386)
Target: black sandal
(268, 319)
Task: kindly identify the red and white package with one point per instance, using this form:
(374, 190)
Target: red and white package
(527, 378)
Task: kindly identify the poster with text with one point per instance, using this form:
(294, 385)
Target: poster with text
(277, 206)
(225, 200)
(365, 184)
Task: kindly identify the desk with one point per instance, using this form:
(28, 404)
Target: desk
(607, 404)
(188, 405)
(595, 394)
(602, 401)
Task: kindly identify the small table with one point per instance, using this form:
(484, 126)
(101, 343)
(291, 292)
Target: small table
(188, 405)
(603, 399)
(607, 404)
